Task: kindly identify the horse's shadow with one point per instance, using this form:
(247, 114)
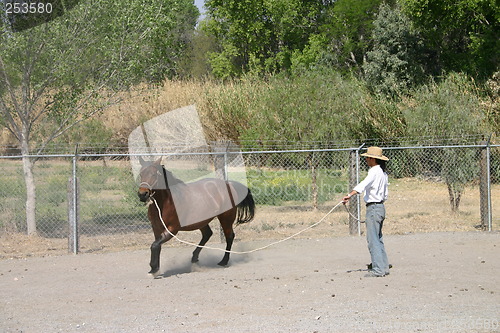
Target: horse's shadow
(207, 262)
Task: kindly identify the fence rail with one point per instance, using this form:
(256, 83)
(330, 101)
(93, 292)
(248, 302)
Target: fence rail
(89, 198)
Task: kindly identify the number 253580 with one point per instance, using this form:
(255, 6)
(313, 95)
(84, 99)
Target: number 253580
(28, 8)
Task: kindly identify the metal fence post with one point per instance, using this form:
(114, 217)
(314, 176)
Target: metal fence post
(353, 207)
(225, 167)
(488, 164)
(73, 236)
(358, 205)
(485, 187)
(221, 169)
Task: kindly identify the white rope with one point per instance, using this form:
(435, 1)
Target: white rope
(354, 217)
(242, 252)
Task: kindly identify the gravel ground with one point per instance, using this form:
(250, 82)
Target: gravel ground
(440, 282)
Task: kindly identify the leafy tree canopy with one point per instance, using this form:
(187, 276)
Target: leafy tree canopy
(463, 33)
(259, 36)
(349, 29)
(57, 73)
(395, 62)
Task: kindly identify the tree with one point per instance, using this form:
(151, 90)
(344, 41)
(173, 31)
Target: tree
(348, 30)
(259, 36)
(447, 110)
(463, 33)
(394, 63)
(57, 74)
(195, 63)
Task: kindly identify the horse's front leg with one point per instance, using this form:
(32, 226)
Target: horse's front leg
(156, 250)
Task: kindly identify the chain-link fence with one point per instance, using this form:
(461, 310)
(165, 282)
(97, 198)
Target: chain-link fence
(444, 188)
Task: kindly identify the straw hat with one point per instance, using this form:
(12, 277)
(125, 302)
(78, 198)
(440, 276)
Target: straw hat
(375, 152)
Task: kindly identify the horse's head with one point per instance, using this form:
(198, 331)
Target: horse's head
(151, 177)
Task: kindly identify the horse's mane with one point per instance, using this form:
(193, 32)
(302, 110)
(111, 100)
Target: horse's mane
(170, 178)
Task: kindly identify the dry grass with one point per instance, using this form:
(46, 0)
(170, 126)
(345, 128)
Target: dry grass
(420, 206)
(143, 103)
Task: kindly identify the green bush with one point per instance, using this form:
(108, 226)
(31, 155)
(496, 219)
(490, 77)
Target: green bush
(315, 106)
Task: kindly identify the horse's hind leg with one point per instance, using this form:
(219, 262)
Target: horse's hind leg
(206, 233)
(229, 243)
(227, 226)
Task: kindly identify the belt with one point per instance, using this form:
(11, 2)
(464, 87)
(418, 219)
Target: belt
(374, 203)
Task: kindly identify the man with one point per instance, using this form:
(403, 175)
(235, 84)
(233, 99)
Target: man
(375, 188)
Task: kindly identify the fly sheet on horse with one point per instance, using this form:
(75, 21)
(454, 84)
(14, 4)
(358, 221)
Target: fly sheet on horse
(209, 181)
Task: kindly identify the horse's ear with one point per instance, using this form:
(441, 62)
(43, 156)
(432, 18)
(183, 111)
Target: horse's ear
(158, 161)
(141, 160)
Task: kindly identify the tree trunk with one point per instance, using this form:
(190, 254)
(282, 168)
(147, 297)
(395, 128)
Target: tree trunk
(454, 196)
(29, 180)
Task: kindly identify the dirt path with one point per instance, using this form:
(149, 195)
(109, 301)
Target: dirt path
(441, 282)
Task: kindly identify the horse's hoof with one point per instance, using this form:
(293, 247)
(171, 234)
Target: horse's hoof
(194, 260)
(154, 272)
(222, 263)
(155, 275)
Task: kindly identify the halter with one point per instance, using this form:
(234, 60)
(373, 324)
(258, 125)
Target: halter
(149, 187)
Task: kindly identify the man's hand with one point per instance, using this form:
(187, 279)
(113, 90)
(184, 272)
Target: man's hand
(346, 199)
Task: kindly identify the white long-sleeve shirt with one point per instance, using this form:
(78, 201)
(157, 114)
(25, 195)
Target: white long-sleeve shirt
(374, 185)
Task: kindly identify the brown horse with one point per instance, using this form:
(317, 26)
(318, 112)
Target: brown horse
(206, 195)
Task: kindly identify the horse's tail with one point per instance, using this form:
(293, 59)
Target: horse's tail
(246, 209)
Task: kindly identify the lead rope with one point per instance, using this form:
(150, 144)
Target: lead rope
(351, 214)
(242, 252)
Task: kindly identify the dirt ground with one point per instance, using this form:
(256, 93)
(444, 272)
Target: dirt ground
(445, 276)
(440, 282)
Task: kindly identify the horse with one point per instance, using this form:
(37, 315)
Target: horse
(156, 184)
